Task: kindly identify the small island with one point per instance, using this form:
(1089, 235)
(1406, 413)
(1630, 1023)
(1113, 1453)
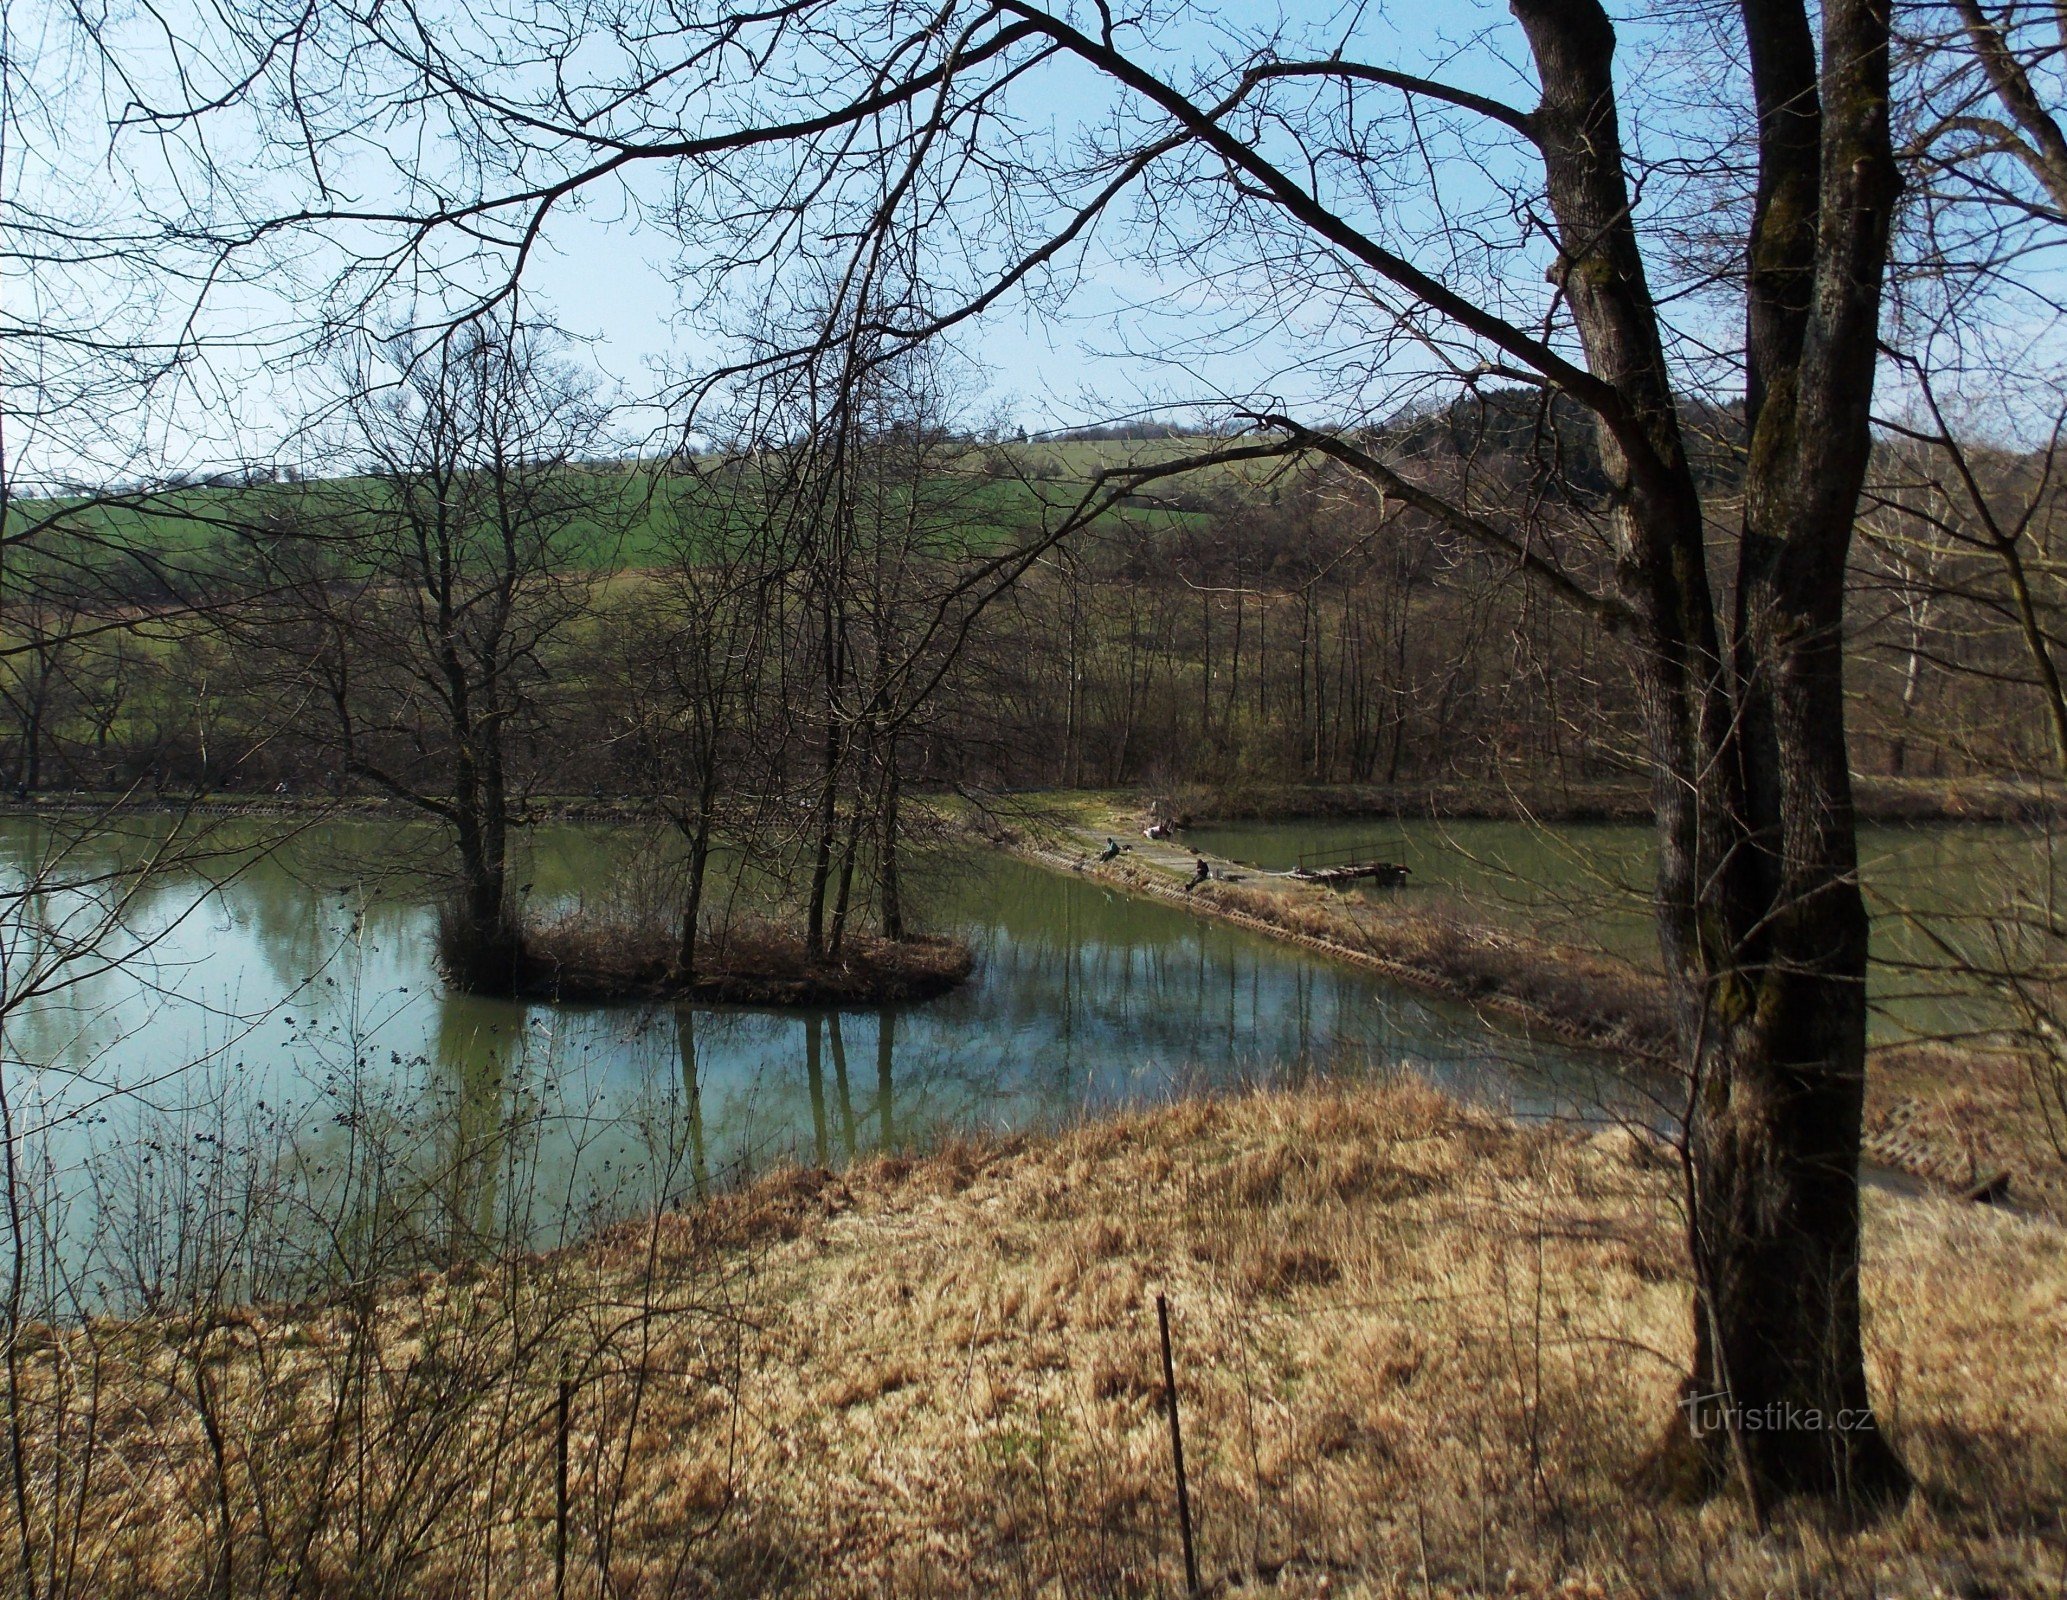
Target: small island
(586, 960)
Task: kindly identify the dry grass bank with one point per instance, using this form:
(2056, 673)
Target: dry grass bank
(1584, 998)
(1590, 999)
(1418, 1350)
(1954, 1117)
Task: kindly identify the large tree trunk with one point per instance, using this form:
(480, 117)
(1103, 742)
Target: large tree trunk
(481, 944)
(1762, 928)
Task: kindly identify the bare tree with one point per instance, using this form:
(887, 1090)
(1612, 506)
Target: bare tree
(695, 727)
(421, 605)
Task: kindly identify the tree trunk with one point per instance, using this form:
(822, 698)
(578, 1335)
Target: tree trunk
(889, 877)
(692, 899)
(850, 851)
(822, 851)
(1761, 923)
(699, 830)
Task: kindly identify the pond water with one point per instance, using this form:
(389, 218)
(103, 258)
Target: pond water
(1588, 884)
(277, 1043)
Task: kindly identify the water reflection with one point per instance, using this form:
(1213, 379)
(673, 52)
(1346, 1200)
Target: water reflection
(692, 1104)
(302, 989)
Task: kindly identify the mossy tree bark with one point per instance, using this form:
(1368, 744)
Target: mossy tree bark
(1763, 929)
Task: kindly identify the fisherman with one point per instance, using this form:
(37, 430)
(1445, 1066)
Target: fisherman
(1200, 872)
(1111, 850)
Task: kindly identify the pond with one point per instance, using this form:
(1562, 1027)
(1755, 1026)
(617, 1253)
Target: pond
(277, 1043)
(1588, 884)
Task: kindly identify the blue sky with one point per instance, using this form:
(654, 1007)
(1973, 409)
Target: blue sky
(607, 279)
(1116, 347)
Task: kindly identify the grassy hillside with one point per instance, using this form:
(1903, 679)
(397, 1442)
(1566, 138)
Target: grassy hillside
(642, 514)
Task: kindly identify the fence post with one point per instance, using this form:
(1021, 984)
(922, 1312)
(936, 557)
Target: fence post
(560, 1433)
(1191, 1561)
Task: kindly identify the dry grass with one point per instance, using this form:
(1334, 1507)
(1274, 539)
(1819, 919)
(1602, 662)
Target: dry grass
(1418, 1351)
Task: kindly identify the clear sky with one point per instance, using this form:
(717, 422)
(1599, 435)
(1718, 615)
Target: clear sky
(606, 279)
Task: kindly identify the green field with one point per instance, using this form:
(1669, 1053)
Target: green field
(643, 514)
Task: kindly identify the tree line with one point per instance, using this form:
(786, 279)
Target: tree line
(1298, 630)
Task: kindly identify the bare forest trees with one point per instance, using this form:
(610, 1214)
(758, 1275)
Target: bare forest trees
(828, 567)
(1972, 490)
(1763, 928)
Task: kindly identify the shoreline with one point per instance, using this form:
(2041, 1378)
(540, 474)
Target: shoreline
(868, 972)
(1877, 800)
(1569, 995)
(1956, 1121)
(1617, 1034)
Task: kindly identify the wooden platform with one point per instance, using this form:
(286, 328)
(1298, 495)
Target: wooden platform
(1387, 874)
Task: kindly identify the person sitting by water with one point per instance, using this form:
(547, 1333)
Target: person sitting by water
(1111, 850)
(1200, 872)
(1157, 830)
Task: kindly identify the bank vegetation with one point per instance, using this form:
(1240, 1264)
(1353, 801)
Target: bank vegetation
(1418, 1351)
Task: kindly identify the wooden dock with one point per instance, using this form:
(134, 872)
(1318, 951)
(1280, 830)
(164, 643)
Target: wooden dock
(1382, 864)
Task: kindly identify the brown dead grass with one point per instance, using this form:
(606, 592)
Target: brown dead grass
(1418, 1351)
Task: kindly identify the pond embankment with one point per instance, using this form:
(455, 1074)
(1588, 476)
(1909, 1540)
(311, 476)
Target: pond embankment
(1576, 997)
(1418, 1350)
(1972, 1120)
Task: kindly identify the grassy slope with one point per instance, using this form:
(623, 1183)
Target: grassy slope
(1419, 1348)
(644, 508)
(1419, 1351)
